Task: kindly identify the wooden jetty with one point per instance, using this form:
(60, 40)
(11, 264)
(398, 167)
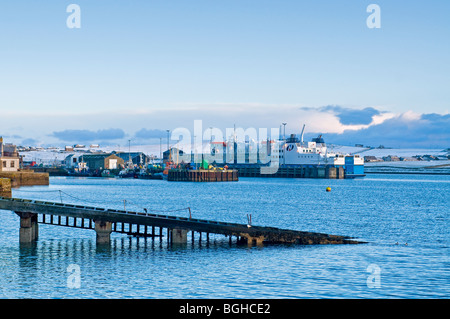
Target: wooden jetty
(202, 175)
(104, 221)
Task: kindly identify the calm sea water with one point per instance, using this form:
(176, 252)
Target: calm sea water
(404, 219)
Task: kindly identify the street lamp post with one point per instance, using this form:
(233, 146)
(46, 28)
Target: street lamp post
(168, 131)
(160, 150)
(284, 146)
(129, 152)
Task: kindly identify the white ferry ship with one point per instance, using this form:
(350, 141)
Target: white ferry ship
(292, 152)
(295, 152)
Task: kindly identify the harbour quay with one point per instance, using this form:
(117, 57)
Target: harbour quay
(202, 175)
(5, 187)
(26, 178)
(327, 172)
(10, 169)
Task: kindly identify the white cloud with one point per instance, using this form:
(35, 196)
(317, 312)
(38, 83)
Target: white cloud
(410, 116)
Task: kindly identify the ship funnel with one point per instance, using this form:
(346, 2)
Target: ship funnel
(301, 135)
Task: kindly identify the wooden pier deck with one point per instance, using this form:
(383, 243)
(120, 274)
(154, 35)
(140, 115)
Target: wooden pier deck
(104, 221)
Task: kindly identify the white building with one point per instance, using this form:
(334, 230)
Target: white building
(75, 161)
(9, 157)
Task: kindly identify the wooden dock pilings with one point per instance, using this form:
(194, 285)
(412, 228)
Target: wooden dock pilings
(201, 175)
(104, 221)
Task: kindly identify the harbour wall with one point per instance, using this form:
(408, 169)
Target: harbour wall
(26, 178)
(5, 187)
(52, 171)
(182, 175)
(328, 172)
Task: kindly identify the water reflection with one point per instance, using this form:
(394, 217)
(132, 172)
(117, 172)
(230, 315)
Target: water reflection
(382, 210)
(44, 251)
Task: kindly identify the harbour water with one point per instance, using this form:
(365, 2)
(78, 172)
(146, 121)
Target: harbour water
(403, 218)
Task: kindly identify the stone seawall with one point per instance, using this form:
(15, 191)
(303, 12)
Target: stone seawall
(5, 187)
(26, 178)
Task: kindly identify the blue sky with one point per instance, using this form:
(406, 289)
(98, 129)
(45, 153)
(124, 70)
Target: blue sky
(156, 65)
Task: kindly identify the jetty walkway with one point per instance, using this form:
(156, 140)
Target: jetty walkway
(105, 221)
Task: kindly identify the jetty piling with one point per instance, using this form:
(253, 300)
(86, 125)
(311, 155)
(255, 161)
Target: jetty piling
(28, 231)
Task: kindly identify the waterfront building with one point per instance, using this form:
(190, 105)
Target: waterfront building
(93, 161)
(171, 155)
(137, 158)
(103, 161)
(9, 157)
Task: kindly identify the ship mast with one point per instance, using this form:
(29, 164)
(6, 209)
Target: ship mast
(301, 138)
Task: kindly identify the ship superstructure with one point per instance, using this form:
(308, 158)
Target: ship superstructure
(292, 152)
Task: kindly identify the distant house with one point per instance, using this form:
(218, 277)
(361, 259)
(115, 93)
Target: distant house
(68, 148)
(370, 158)
(9, 157)
(408, 159)
(391, 158)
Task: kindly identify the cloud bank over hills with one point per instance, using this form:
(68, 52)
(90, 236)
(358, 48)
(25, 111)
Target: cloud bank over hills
(426, 131)
(372, 126)
(89, 136)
